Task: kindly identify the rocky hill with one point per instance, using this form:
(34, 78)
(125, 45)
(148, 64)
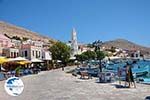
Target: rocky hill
(12, 30)
(125, 44)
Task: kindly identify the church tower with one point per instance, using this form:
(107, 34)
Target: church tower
(74, 43)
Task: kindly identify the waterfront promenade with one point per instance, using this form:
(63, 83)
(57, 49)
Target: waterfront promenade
(58, 85)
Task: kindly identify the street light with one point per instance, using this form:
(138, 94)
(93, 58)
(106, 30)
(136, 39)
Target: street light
(97, 45)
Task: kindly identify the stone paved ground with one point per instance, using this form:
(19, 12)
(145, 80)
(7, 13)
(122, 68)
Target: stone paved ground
(57, 85)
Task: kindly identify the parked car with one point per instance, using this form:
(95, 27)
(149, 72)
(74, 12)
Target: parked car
(106, 77)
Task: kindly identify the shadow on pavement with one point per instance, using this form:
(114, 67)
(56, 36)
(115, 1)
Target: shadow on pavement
(120, 86)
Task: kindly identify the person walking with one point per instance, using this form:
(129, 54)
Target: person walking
(129, 76)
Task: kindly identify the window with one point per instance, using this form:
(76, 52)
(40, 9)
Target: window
(36, 54)
(11, 54)
(15, 55)
(33, 53)
(39, 53)
(25, 53)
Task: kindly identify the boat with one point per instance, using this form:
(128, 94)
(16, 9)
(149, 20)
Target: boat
(142, 71)
(144, 80)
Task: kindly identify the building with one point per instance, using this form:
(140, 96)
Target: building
(5, 42)
(11, 52)
(74, 43)
(16, 43)
(34, 43)
(46, 55)
(84, 48)
(134, 54)
(30, 51)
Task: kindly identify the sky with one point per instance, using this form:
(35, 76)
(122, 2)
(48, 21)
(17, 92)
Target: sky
(93, 19)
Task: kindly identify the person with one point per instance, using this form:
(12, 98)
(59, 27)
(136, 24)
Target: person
(119, 74)
(129, 76)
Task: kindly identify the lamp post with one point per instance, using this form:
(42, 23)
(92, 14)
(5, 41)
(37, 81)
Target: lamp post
(97, 45)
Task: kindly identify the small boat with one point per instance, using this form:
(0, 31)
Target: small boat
(142, 71)
(141, 74)
(144, 81)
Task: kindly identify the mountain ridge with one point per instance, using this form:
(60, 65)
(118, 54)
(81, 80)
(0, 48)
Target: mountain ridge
(126, 44)
(13, 30)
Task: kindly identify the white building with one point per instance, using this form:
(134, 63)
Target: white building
(16, 43)
(136, 54)
(35, 43)
(31, 52)
(11, 52)
(46, 55)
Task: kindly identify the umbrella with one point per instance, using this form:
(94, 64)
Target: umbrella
(17, 59)
(23, 62)
(36, 60)
(2, 60)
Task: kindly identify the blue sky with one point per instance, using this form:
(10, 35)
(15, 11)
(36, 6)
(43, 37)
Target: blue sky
(92, 19)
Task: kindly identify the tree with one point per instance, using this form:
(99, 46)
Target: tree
(100, 55)
(7, 36)
(60, 51)
(90, 55)
(16, 38)
(82, 57)
(24, 38)
(51, 41)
